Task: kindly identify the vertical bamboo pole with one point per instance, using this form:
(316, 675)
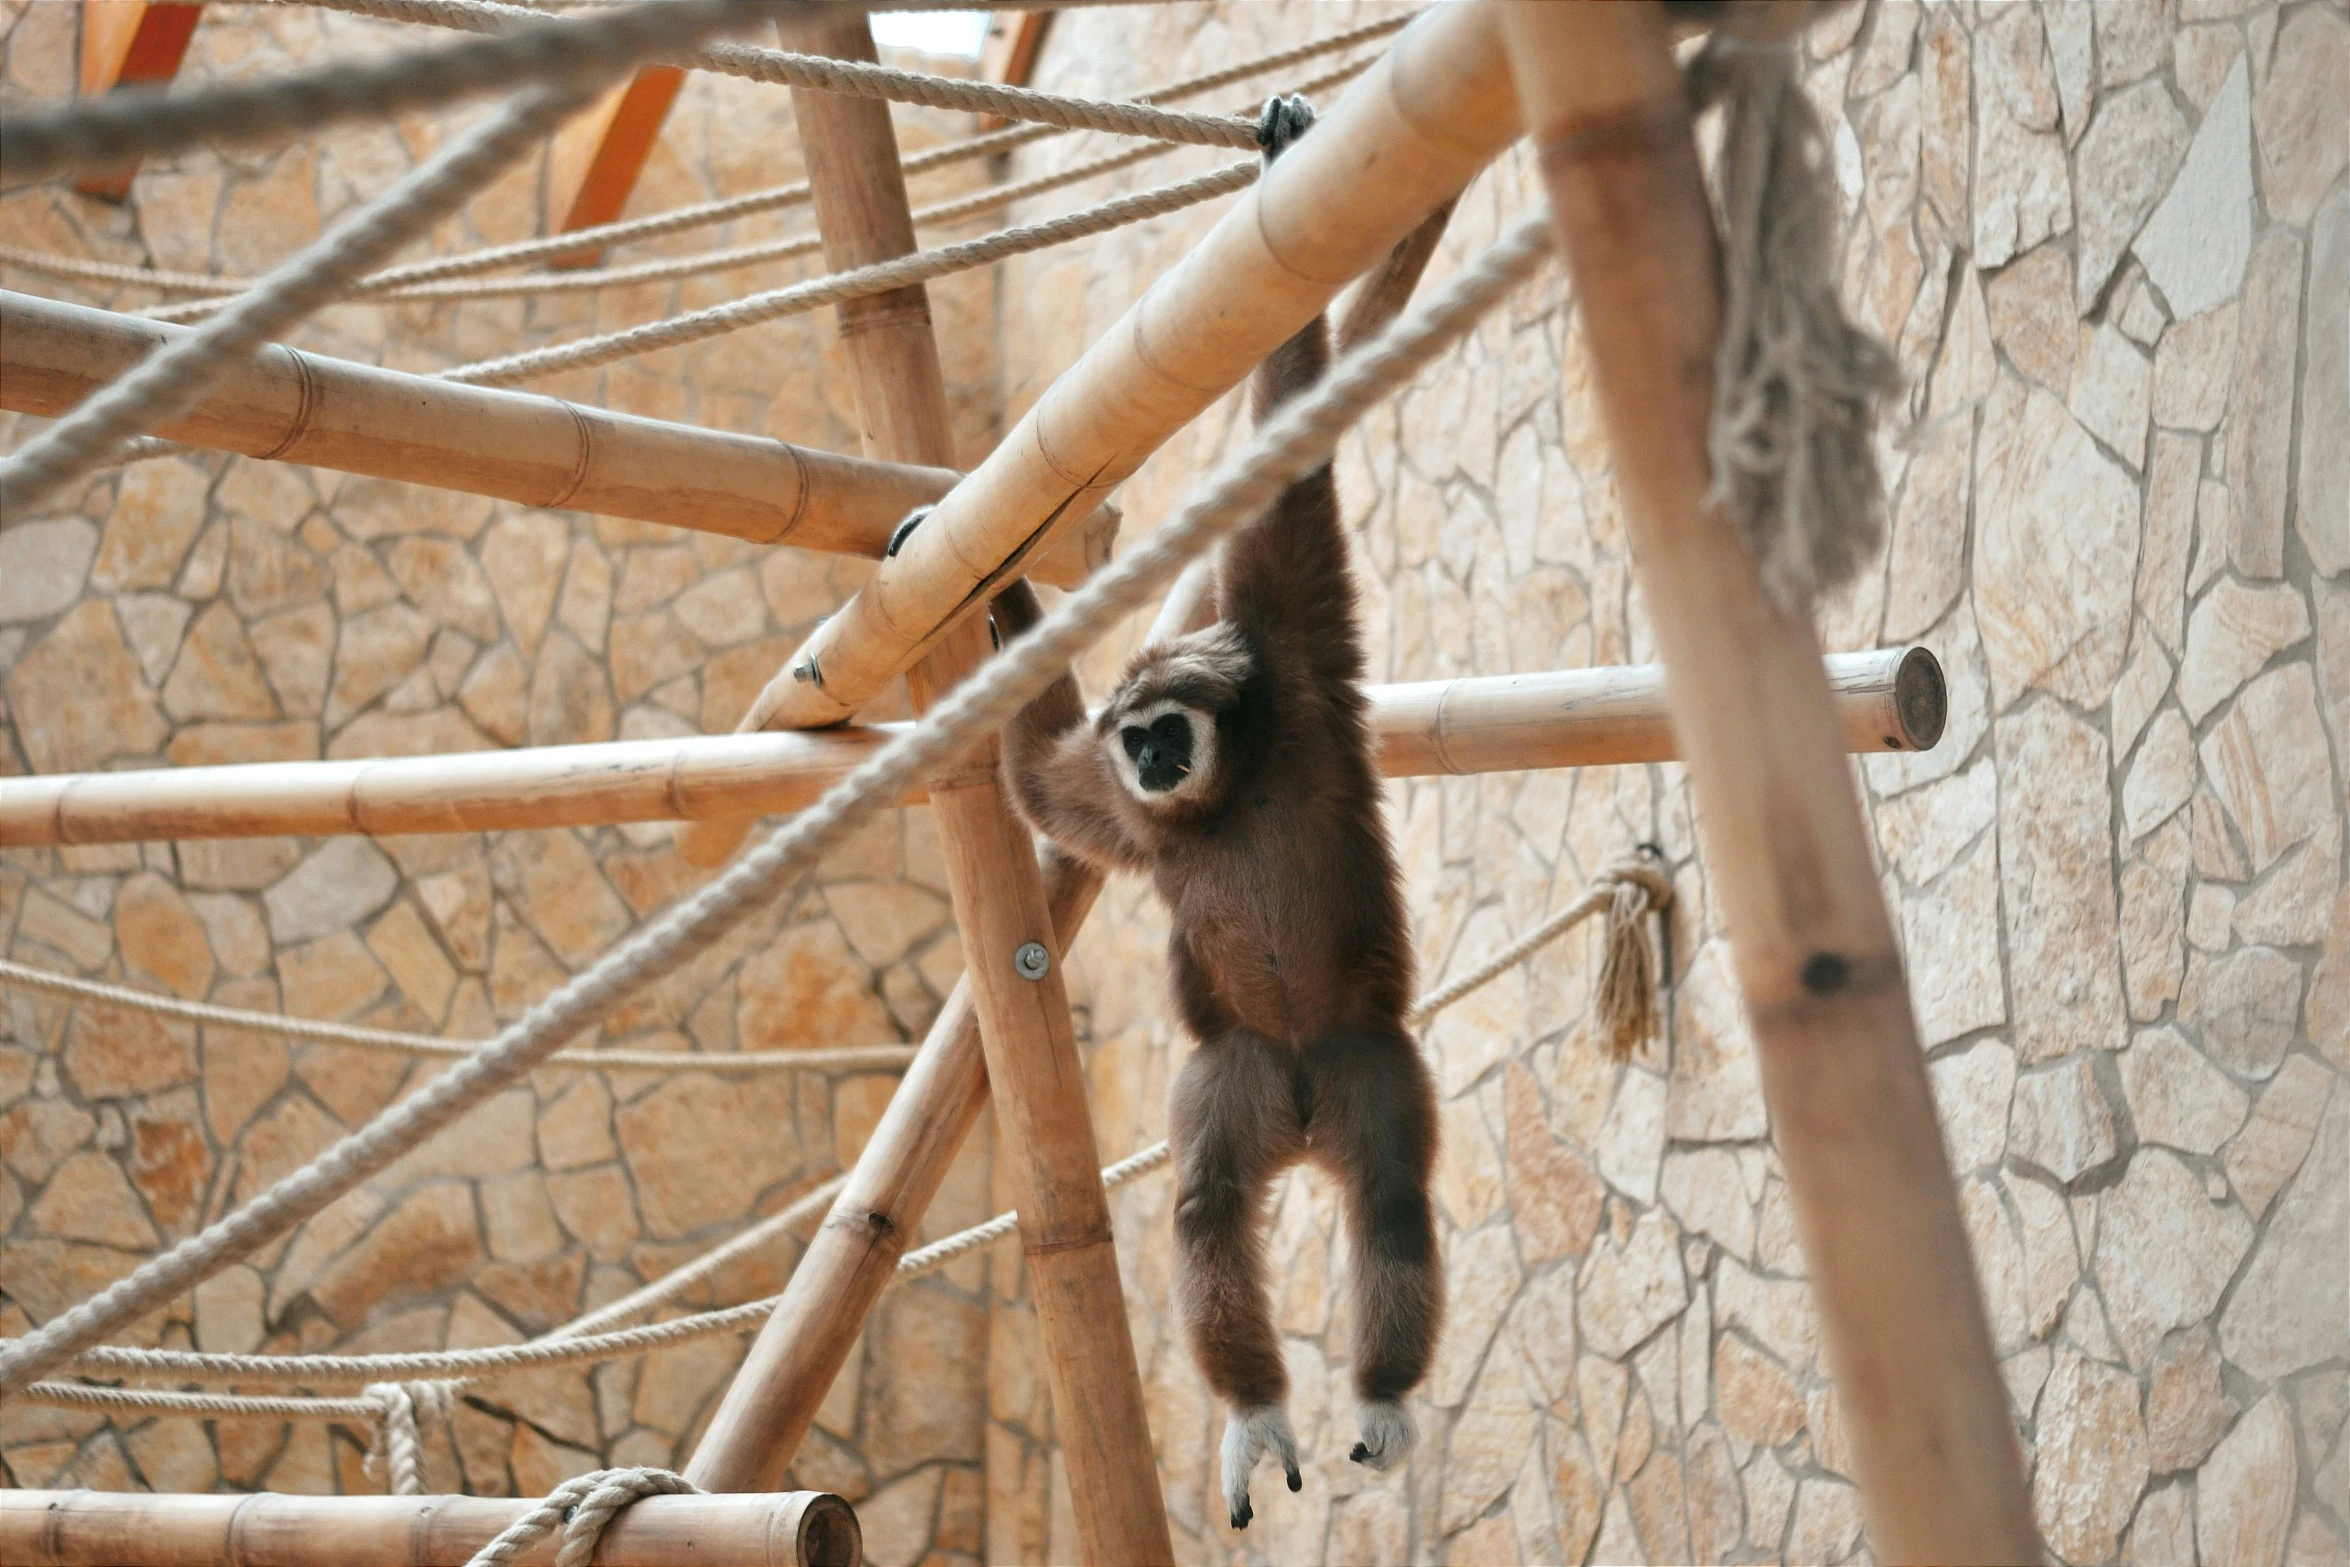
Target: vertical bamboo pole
(1902, 1318)
(999, 896)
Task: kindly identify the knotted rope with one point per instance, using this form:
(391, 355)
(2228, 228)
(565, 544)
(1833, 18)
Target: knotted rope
(1797, 385)
(399, 1451)
(585, 1507)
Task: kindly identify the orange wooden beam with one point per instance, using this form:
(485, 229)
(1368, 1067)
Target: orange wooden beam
(1009, 54)
(127, 41)
(598, 156)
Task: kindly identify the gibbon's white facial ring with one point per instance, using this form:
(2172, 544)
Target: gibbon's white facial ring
(1164, 753)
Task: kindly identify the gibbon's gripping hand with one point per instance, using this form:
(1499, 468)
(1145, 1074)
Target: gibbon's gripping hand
(1283, 122)
(1247, 1438)
(1388, 1434)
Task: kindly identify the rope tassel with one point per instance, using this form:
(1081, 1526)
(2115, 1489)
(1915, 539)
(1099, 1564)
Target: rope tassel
(1625, 997)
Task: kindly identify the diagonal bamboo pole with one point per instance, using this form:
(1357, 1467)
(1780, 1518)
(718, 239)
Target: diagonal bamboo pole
(540, 451)
(1405, 138)
(1891, 700)
(1902, 1319)
(1045, 1127)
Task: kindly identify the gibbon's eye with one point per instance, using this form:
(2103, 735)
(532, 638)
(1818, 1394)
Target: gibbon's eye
(1133, 738)
(1173, 731)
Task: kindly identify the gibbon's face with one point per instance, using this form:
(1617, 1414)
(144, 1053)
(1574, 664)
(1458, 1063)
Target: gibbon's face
(1164, 752)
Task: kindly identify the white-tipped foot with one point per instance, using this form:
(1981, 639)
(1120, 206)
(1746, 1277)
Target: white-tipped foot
(1388, 1435)
(1248, 1436)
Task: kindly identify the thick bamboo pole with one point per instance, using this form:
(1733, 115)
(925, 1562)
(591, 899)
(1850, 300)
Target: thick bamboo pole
(1403, 139)
(1045, 1126)
(517, 446)
(131, 1529)
(1885, 701)
(1902, 1318)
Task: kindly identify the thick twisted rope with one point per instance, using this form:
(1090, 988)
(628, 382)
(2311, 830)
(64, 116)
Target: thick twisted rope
(1299, 436)
(858, 79)
(172, 379)
(202, 1406)
(584, 1506)
(856, 283)
(679, 219)
(399, 1447)
(122, 127)
(853, 1058)
(1628, 890)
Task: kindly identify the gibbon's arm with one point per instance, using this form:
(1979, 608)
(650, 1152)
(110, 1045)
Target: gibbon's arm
(1060, 781)
(1285, 574)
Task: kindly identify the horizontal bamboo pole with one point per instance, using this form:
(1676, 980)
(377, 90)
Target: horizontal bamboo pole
(517, 446)
(133, 1529)
(1889, 700)
(1405, 138)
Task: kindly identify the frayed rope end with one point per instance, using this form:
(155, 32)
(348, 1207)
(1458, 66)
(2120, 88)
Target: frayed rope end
(1626, 999)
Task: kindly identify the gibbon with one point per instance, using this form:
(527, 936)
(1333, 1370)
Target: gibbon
(1234, 765)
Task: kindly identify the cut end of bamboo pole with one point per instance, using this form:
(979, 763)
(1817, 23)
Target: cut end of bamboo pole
(1921, 699)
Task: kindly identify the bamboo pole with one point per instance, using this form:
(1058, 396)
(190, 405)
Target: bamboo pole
(1892, 700)
(540, 451)
(1902, 1319)
(1403, 139)
(133, 1529)
(1885, 701)
(1045, 1126)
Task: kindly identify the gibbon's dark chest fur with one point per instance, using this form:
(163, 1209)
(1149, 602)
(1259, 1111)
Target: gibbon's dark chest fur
(1285, 912)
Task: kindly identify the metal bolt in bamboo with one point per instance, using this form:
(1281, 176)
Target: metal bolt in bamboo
(1044, 1122)
(541, 451)
(1403, 139)
(1903, 1327)
(1891, 700)
(117, 1529)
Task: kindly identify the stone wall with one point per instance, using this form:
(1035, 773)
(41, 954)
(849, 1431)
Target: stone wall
(200, 609)
(2110, 244)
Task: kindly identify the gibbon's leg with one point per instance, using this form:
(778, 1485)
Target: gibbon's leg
(1235, 1125)
(1374, 1128)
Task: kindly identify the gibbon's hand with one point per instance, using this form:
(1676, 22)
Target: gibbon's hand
(1388, 1434)
(1248, 1438)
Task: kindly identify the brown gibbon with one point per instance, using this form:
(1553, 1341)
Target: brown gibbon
(1234, 764)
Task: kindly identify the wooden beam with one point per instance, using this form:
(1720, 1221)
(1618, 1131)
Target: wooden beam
(1045, 1127)
(1009, 55)
(1885, 701)
(1403, 139)
(592, 167)
(1788, 858)
(126, 41)
(540, 451)
(134, 1529)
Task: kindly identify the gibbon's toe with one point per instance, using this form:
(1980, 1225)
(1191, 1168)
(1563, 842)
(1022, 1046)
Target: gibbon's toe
(905, 530)
(1247, 1438)
(1388, 1435)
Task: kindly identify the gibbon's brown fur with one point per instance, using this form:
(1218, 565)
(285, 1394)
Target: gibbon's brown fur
(1252, 799)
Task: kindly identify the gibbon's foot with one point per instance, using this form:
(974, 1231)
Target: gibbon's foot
(1283, 122)
(1247, 1438)
(1388, 1434)
(905, 530)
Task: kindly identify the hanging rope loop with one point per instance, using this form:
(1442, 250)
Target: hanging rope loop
(584, 1506)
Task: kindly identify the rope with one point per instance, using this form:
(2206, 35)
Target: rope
(852, 1058)
(398, 1450)
(122, 127)
(603, 236)
(856, 283)
(707, 261)
(1299, 436)
(1632, 885)
(585, 1506)
(142, 1401)
(172, 379)
(857, 79)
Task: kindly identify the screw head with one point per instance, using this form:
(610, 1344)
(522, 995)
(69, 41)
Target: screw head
(1032, 961)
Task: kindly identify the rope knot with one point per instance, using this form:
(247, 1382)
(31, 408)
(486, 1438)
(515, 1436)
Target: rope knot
(1626, 992)
(398, 1453)
(585, 1506)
